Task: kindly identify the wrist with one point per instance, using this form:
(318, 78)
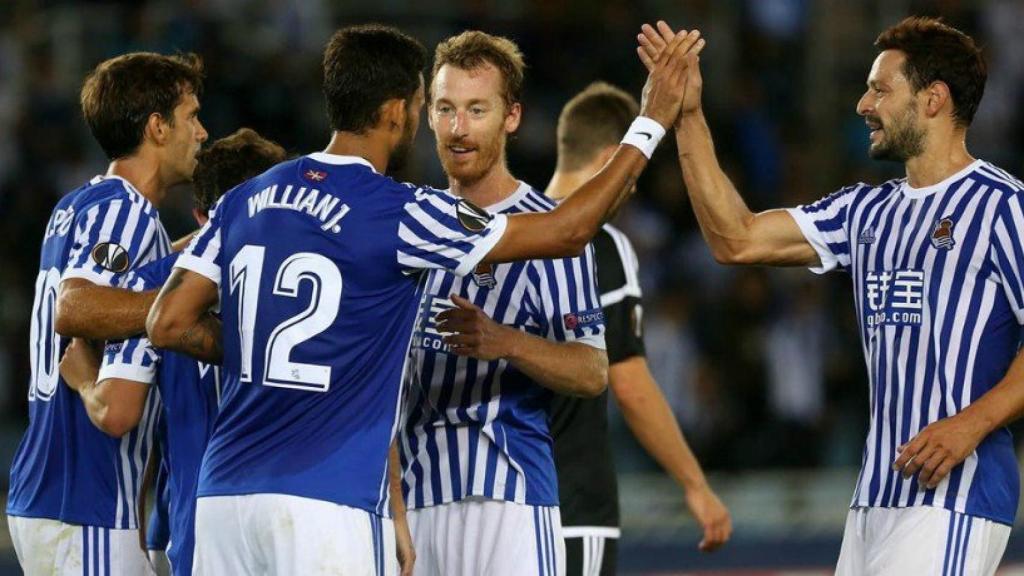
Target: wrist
(645, 133)
(511, 339)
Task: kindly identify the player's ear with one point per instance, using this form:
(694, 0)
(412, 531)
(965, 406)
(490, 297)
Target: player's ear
(156, 128)
(200, 216)
(938, 97)
(393, 114)
(512, 118)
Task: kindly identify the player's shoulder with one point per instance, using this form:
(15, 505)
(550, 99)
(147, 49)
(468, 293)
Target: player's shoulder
(103, 190)
(997, 179)
(524, 199)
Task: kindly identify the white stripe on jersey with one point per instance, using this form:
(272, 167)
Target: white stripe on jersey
(630, 267)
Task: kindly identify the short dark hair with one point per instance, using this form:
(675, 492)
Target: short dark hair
(595, 118)
(938, 52)
(230, 161)
(365, 66)
(121, 93)
(474, 48)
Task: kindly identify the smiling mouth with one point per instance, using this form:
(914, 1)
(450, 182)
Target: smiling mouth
(460, 151)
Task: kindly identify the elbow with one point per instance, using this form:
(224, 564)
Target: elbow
(162, 328)
(573, 243)
(734, 253)
(64, 315)
(596, 380)
(116, 423)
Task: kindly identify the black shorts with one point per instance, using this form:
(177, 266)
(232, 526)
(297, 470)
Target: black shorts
(590, 555)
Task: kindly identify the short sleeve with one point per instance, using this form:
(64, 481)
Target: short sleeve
(1007, 253)
(825, 225)
(111, 237)
(619, 281)
(203, 254)
(133, 359)
(567, 290)
(438, 230)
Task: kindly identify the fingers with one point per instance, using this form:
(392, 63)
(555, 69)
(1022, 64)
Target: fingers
(908, 451)
(457, 341)
(666, 31)
(648, 63)
(463, 303)
(940, 473)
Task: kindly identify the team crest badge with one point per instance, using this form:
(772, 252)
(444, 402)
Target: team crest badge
(483, 276)
(942, 234)
(110, 256)
(867, 236)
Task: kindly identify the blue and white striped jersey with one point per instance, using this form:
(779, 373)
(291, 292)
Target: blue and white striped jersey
(938, 277)
(318, 263)
(189, 396)
(476, 428)
(67, 469)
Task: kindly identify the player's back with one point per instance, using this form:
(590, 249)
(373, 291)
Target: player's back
(66, 468)
(317, 317)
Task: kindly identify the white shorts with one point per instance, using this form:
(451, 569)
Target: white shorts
(288, 535)
(920, 540)
(46, 546)
(482, 536)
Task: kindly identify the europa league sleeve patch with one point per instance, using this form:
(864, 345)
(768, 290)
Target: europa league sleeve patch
(110, 256)
(472, 217)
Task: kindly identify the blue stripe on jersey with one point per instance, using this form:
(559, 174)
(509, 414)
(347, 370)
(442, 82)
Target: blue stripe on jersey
(476, 428)
(938, 280)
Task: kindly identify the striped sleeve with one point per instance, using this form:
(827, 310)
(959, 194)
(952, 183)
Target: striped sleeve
(134, 359)
(1007, 252)
(571, 306)
(203, 254)
(112, 237)
(825, 226)
(438, 230)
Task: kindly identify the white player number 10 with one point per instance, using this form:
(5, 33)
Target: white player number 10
(279, 370)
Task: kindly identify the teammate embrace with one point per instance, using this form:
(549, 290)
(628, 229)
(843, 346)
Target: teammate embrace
(334, 343)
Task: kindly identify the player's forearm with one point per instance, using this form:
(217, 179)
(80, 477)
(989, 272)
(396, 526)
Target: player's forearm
(395, 487)
(1001, 405)
(723, 216)
(183, 242)
(652, 422)
(566, 230)
(96, 406)
(570, 368)
(96, 312)
(180, 319)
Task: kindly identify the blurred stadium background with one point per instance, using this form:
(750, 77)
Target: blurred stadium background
(763, 368)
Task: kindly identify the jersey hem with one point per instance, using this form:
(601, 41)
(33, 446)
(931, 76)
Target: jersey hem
(253, 492)
(990, 517)
(204, 268)
(815, 239)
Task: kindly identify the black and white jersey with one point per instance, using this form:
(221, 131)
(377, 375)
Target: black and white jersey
(587, 488)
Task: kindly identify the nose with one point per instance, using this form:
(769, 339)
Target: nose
(864, 105)
(458, 124)
(202, 134)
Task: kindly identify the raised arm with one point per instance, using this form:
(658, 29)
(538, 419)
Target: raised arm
(88, 310)
(734, 233)
(566, 230)
(180, 319)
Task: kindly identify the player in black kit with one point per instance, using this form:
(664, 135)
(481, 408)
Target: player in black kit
(589, 129)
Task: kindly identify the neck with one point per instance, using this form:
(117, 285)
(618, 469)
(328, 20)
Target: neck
(496, 185)
(565, 182)
(371, 146)
(143, 172)
(939, 161)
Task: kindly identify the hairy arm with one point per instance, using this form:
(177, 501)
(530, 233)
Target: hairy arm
(571, 368)
(88, 310)
(180, 318)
